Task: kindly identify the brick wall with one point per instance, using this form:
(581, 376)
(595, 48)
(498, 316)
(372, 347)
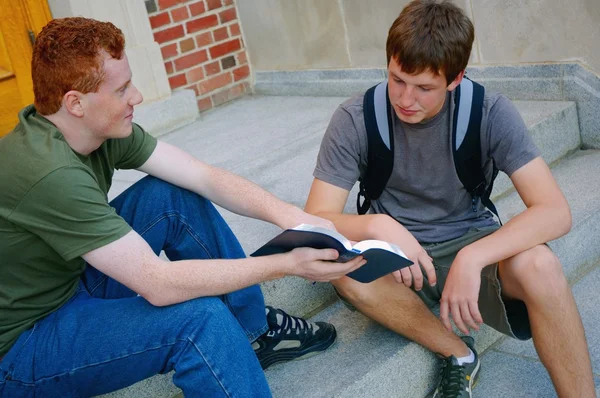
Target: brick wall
(202, 47)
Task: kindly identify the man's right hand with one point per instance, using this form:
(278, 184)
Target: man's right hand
(414, 251)
(318, 264)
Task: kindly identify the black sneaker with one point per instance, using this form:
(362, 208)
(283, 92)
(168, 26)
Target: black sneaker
(290, 338)
(458, 380)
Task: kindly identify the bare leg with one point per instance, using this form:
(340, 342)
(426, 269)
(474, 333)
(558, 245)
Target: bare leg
(536, 277)
(398, 308)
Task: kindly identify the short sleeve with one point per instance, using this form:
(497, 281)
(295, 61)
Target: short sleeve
(510, 144)
(133, 151)
(341, 155)
(69, 211)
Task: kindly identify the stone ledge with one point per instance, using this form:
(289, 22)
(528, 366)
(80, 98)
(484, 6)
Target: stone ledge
(165, 115)
(531, 82)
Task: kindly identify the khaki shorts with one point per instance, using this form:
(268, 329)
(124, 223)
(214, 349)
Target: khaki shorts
(506, 316)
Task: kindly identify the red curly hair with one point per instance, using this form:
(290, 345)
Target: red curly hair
(66, 56)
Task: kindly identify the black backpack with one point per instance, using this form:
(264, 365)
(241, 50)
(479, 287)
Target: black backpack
(466, 146)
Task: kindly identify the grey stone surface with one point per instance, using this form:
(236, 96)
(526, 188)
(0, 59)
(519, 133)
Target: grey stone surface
(553, 127)
(340, 82)
(160, 386)
(282, 34)
(579, 178)
(282, 134)
(274, 137)
(366, 361)
(529, 89)
(588, 301)
(165, 115)
(516, 71)
(537, 82)
(504, 375)
(515, 31)
(588, 107)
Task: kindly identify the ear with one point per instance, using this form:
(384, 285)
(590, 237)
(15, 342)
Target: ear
(73, 102)
(456, 81)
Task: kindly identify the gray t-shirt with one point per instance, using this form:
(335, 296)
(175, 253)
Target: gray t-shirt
(424, 192)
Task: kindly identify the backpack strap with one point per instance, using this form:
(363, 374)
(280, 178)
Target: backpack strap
(380, 158)
(468, 110)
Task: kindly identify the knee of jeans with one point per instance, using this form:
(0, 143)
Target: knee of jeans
(203, 312)
(164, 190)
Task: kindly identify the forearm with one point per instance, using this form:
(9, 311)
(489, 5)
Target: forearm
(246, 198)
(178, 281)
(368, 226)
(536, 225)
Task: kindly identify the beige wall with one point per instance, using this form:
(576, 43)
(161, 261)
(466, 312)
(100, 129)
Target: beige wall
(320, 34)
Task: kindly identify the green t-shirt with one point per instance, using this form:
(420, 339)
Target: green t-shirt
(53, 209)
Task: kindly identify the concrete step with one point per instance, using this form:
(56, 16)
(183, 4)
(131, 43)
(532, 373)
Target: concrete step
(554, 127)
(276, 147)
(369, 360)
(287, 172)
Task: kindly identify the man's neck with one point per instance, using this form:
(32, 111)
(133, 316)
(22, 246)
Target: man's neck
(77, 136)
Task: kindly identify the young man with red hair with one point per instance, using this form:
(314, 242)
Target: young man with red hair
(478, 271)
(87, 305)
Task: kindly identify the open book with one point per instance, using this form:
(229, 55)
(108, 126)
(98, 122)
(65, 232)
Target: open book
(382, 257)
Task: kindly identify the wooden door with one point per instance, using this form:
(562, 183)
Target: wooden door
(20, 22)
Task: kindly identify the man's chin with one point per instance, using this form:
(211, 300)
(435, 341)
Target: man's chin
(410, 119)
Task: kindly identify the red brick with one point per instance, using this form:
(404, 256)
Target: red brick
(169, 51)
(235, 29)
(196, 89)
(220, 34)
(241, 73)
(227, 2)
(225, 48)
(242, 58)
(227, 15)
(169, 67)
(179, 14)
(194, 75)
(236, 91)
(204, 39)
(190, 60)
(212, 68)
(204, 104)
(177, 81)
(201, 23)
(197, 8)
(187, 45)
(159, 20)
(169, 34)
(215, 83)
(162, 4)
(220, 97)
(212, 4)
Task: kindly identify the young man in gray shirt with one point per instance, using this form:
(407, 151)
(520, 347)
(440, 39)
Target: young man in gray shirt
(480, 272)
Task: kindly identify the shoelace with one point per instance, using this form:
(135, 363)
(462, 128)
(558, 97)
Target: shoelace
(452, 380)
(291, 324)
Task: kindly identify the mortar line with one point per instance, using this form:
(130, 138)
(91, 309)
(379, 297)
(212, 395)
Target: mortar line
(346, 37)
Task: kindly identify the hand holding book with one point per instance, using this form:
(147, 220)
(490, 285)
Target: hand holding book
(382, 257)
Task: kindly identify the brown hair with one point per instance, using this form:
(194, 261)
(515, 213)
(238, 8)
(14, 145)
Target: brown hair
(66, 56)
(431, 35)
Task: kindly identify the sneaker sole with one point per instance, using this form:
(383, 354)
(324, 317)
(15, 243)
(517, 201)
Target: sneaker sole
(288, 356)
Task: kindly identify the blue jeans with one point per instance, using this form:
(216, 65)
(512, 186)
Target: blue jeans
(106, 337)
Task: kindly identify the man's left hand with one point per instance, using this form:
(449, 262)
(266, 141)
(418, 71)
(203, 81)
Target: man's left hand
(460, 296)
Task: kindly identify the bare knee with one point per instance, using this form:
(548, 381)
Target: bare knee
(537, 273)
(358, 294)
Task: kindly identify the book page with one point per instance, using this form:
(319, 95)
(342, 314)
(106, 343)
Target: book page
(325, 231)
(377, 244)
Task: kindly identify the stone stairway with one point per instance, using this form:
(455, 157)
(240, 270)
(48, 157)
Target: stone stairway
(276, 143)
